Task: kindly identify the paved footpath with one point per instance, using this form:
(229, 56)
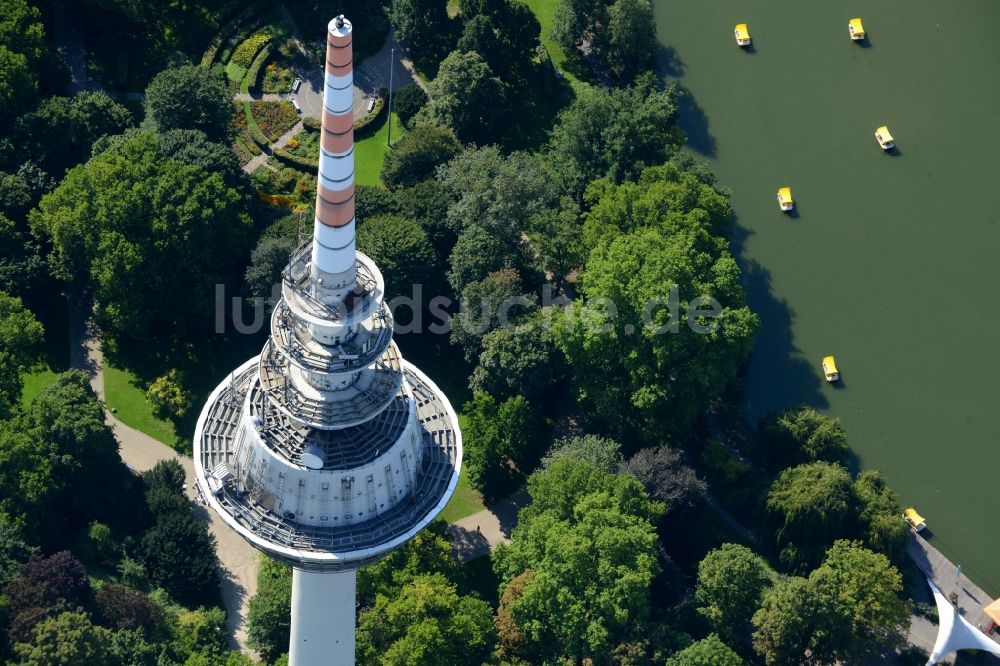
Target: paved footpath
(237, 560)
(478, 534)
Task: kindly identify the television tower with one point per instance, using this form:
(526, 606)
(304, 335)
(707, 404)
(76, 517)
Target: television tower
(328, 450)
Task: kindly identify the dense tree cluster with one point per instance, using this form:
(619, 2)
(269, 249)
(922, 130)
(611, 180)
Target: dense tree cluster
(123, 221)
(845, 611)
(500, 438)
(622, 31)
(800, 435)
(189, 97)
(812, 505)
(177, 551)
(588, 541)
(652, 275)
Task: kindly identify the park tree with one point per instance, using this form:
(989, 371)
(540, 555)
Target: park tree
(809, 506)
(661, 470)
(407, 102)
(800, 435)
(20, 333)
(881, 523)
(269, 616)
(588, 541)
(517, 360)
(571, 20)
(189, 97)
(630, 44)
(195, 148)
(496, 191)
(426, 623)
(201, 632)
(427, 203)
(415, 157)
(20, 262)
(121, 221)
(557, 235)
(403, 252)
(673, 201)
(498, 437)
(845, 612)
(430, 552)
(603, 453)
(787, 621)
(20, 346)
(78, 121)
(62, 458)
(133, 648)
(641, 371)
(369, 201)
(267, 261)
(863, 594)
(68, 639)
(18, 83)
(614, 133)
(56, 581)
(492, 302)
(121, 608)
(732, 581)
(25, 57)
(179, 554)
(168, 395)
(479, 253)
(510, 640)
(710, 651)
(425, 27)
(506, 34)
(97, 544)
(465, 97)
(168, 474)
(14, 550)
(16, 196)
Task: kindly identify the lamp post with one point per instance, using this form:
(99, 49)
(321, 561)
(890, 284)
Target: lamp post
(392, 66)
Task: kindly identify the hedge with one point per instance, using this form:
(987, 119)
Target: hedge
(250, 147)
(296, 161)
(249, 48)
(312, 124)
(253, 74)
(365, 127)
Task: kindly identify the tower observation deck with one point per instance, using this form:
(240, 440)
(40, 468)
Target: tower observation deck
(328, 450)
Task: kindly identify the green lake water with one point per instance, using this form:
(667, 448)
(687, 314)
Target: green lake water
(891, 260)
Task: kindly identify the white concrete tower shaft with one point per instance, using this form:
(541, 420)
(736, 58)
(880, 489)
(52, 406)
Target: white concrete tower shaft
(333, 252)
(322, 630)
(328, 450)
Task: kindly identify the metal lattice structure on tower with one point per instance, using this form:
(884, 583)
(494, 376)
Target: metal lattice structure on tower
(328, 450)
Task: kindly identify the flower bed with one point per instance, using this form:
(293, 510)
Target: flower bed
(277, 79)
(274, 118)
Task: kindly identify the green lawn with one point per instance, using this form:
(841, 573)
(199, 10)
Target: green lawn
(124, 395)
(36, 382)
(465, 502)
(369, 153)
(545, 11)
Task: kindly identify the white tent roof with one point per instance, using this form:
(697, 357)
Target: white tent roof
(955, 632)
